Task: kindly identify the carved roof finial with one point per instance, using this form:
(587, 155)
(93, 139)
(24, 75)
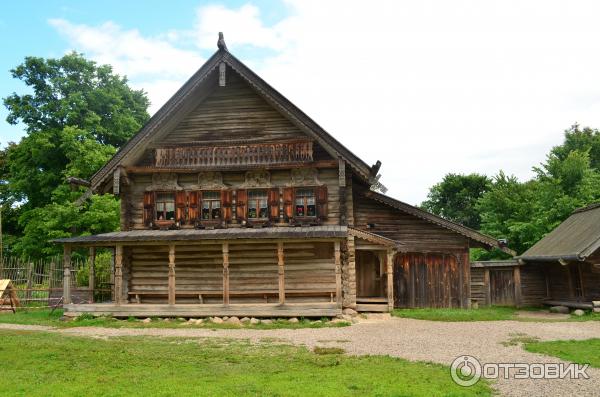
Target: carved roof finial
(221, 43)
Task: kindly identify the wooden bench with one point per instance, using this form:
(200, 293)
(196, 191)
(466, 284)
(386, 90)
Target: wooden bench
(202, 294)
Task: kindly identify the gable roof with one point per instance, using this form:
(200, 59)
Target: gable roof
(455, 227)
(177, 104)
(576, 238)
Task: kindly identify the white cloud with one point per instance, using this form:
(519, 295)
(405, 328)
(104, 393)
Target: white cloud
(428, 87)
(243, 27)
(151, 63)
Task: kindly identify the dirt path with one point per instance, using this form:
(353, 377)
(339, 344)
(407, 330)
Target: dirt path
(440, 342)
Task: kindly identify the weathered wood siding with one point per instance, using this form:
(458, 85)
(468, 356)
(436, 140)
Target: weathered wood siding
(133, 202)
(253, 272)
(533, 285)
(430, 280)
(576, 281)
(232, 113)
(417, 234)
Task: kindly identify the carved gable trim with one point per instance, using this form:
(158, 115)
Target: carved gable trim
(210, 180)
(257, 178)
(305, 177)
(164, 181)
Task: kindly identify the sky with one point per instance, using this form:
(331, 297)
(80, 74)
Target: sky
(427, 87)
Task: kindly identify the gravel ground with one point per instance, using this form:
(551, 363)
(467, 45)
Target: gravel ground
(421, 340)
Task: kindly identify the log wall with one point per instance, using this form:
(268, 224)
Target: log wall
(309, 273)
(133, 202)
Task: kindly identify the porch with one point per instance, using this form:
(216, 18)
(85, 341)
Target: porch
(266, 272)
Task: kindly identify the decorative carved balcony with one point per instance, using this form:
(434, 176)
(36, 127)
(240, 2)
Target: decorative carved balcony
(235, 155)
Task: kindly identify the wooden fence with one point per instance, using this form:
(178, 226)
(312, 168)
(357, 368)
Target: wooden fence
(39, 283)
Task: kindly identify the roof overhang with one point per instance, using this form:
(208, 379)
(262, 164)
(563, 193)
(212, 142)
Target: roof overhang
(198, 235)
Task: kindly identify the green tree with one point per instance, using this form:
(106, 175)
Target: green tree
(456, 196)
(76, 115)
(582, 140)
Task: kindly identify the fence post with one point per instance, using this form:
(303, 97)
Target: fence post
(67, 275)
(92, 273)
(29, 281)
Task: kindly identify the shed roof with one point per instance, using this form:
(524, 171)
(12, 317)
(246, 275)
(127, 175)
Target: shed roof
(210, 234)
(575, 239)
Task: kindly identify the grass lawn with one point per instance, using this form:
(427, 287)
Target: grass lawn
(44, 317)
(577, 351)
(491, 313)
(53, 365)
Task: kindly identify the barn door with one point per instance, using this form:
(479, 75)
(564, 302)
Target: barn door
(427, 280)
(502, 287)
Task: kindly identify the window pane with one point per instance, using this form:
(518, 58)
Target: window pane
(299, 210)
(311, 210)
(205, 213)
(159, 211)
(252, 211)
(211, 196)
(216, 213)
(263, 213)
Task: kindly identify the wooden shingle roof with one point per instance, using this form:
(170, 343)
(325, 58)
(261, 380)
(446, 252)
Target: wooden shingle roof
(210, 234)
(576, 238)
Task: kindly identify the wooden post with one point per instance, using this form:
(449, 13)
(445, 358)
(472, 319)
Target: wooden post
(390, 279)
(517, 280)
(119, 274)
(29, 281)
(92, 274)
(226, 273)
(280, 264)
(570, 281)
(67, 274)
(338, 274)
(171, 274)
(487, 287)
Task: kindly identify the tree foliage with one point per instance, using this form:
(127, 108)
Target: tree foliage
(525, 211)
(456, 196)
(76, 114)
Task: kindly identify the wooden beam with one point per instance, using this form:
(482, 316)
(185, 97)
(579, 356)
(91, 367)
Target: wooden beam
(280, 264)
(67, 274)
(486, 287)
(171, 285)
(222, 76)
(119, 274)
(154, 170)
(225, 249)
(92, 274)
(390, 279)
(517, 280)
(338, 273)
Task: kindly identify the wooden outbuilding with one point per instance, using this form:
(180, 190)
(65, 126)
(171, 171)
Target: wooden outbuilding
(569, 258)
(235, 202)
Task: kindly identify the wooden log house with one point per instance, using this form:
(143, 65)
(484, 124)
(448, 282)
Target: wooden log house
(568, 261)
(235, 202)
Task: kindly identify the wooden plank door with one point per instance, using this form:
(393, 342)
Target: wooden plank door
(368, 275)
(502, 287)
